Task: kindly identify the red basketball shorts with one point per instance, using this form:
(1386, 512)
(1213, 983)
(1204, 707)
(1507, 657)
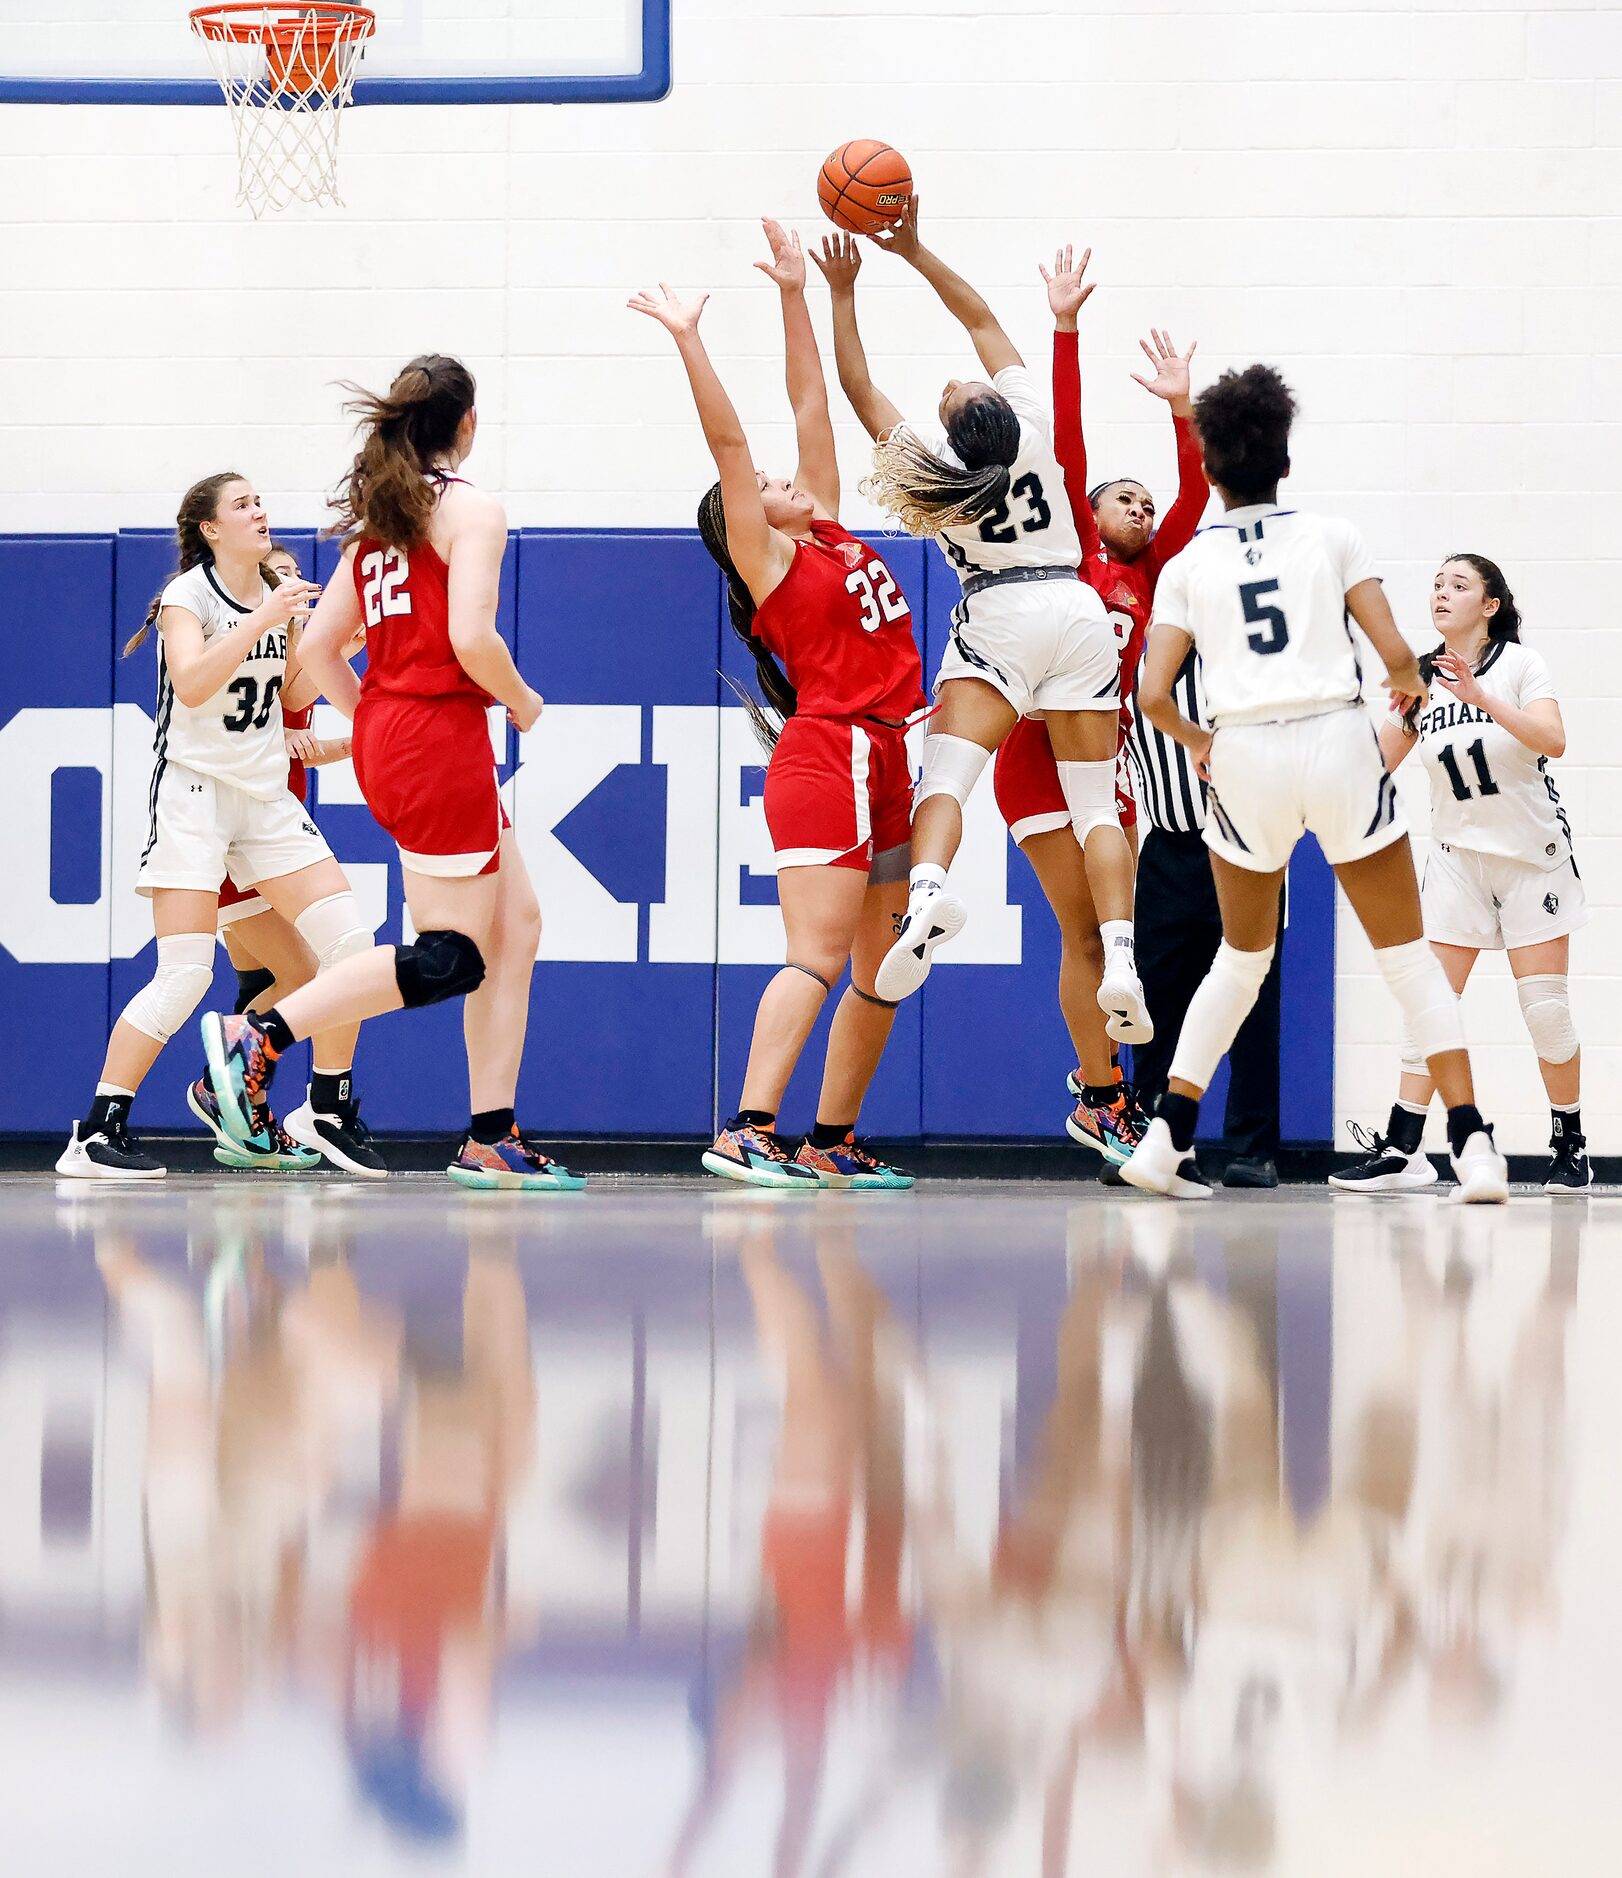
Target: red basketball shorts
(838, 794)
(428, 775)
(1026, 781)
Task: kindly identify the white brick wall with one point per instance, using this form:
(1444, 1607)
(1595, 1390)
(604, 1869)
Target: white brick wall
(1416, 211)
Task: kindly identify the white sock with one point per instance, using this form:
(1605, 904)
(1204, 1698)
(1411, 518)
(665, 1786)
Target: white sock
(926, 877)
(114, 1089)
(1117, 933)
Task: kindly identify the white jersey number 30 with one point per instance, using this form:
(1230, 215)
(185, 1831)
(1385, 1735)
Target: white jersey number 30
(384, 572)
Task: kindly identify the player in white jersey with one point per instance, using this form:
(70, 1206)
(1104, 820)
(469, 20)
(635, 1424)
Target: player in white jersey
(1029, 638)
(1500, 875)
(218, 804)
(1264, 595)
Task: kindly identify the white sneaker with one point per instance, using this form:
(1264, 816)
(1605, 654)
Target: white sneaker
(930, 920)
(1385, 1168)
(113, 1154)
(1483, 1173)
(1157, 1166)
(1120, 997)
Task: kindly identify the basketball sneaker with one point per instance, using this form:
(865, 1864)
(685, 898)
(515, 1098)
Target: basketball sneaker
(1569, 1171)
(933, 916)
(1120, 998)
(1385, 1167)
(344, 1139)
(1483, 1173)
(111, 1153)
(848, 1164)
(272, 1149)
(512, 1165)
(241, 1065)
(1110, 1130)
(756, 1157)
(1158, 1165)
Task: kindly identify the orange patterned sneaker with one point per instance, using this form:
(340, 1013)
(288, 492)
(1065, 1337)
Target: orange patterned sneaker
(511, 1164)
(757, 1157)
(241, 1063)
(848, 1164)
(1112, 1130)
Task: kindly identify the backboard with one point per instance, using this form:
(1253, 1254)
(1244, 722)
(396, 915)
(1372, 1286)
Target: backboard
(424, 52)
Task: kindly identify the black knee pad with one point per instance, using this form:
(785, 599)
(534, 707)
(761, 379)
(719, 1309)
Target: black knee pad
(437, 966)
(251, 985)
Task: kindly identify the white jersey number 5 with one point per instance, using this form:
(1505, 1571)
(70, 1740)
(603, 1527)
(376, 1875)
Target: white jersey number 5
(384, 572)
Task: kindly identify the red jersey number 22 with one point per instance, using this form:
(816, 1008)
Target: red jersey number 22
(882, 602)
(384, 572)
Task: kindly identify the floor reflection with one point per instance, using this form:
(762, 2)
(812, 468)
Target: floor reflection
(981, 1534)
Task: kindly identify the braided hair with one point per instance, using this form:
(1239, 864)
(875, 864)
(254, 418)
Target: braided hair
(926, 494)
(779, 694)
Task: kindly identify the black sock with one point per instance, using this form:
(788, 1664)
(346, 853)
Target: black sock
(1462, 1123)
(830, 1134)
(1568, 1124)
(106, 1112)
(491, 1125)
(1405, 1130)
(1179, 1113)
(753, 1118)
(250, 985)
(331, 1094)
(1100, 1095)
(274, 1028)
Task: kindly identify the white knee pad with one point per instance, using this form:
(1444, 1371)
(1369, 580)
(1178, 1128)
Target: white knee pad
(333, 929)
(951, 767)
(1430, 1010)
(1546, 1006)
(1089, 795)
(185, 971)
(1413, 1060)
(1222, 1003)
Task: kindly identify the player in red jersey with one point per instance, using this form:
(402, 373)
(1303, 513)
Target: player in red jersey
(422, 572)
(271, 959)
(831, 635)
(1122, 555)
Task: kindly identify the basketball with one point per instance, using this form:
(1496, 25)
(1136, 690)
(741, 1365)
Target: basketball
(864, 186)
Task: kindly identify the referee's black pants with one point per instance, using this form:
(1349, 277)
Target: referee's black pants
(1178, 930)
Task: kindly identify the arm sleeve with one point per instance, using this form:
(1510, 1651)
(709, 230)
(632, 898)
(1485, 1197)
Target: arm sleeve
(1019, 388)
(1536, 684)
(1171, 599)
(1352, 556)
(1193, 492)
(1069, 446)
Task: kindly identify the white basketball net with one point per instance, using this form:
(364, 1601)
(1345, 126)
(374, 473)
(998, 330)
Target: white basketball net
(287, 73)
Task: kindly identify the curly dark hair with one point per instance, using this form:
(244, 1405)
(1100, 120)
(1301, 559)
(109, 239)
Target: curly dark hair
(1244, 424)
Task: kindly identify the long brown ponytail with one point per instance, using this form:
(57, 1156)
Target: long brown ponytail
(780, 695)
(199, 504)
(387, 496)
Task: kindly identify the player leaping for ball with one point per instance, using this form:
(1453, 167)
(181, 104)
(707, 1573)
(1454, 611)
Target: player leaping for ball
(1027, 636)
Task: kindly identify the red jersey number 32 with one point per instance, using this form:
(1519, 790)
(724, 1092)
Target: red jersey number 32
(882, 603)
(385, 572)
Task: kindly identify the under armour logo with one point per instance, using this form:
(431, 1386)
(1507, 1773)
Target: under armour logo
(197, 789)
(1551, 903)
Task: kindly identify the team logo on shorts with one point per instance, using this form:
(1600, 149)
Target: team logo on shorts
(1549, 848)
(1551, 903)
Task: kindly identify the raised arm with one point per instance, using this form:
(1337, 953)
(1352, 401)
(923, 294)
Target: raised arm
(992, 345)
(199, 667)
(818, 472)
(839, 263)
(754, 545)
(1538, 725)
(1067, 294)
(1169, 380)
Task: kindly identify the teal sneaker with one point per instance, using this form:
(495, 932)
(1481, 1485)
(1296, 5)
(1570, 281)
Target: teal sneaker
(848, 1164)
(511, 1165)
(756, 1157)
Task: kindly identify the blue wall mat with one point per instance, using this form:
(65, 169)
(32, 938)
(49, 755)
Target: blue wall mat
(53, 1015)
(645, 1034)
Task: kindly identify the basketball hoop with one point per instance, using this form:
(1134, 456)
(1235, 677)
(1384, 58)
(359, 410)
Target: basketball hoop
(287, 72)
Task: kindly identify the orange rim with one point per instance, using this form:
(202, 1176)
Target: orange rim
(272, 25)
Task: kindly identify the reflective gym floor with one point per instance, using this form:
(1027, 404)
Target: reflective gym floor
(985, 1531)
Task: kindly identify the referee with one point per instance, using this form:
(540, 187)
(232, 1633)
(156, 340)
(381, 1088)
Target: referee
(1178, 930)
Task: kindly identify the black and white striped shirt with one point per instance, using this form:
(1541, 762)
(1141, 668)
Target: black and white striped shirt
(1170, 795)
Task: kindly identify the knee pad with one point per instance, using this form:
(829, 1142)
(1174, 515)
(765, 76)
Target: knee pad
(951, 767)
(333, 929)
(1089, 795)
(1413, 1059)
(185, 971)
(1222, 1003)
(252, 984)
(1430, 1010)
(1546, 1006)
(437, 966)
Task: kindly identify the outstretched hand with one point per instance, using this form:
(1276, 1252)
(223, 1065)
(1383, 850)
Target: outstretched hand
(1453, 674)
(839, 262)
(787, 265)
(1170, 380)
(902, 239)
(678, 317)
(1067, 290)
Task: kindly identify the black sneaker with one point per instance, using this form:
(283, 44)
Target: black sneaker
(1569, 1171)
(345, 1140)
(1386, 1169)
(1250, 1170)
(111, 1153)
